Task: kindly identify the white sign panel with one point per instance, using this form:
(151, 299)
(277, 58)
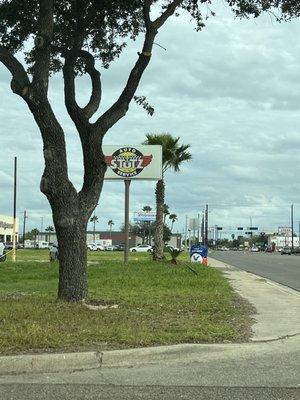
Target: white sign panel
(133, 162)
(145, 216)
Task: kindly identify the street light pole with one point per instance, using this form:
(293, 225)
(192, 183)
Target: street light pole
(292, 224)
(24, 228)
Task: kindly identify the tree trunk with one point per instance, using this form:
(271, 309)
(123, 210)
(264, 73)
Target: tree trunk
(158, 253)
(72, 247)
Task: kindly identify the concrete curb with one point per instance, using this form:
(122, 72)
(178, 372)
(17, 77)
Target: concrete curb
(128, 358)
(40, 363)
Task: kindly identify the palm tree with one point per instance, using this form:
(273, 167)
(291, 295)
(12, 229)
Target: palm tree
(49, 229)
(94, 219)
(173, 154)
(166, 212)
(147, 224)
(173, 218)
(110, 224)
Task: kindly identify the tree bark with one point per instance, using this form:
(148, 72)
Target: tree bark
(158, 253)
(72, 249)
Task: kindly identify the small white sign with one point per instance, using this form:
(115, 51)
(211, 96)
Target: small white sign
(145, 216)
(133, 162)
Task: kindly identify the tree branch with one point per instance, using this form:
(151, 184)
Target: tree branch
(20, 81)
(120, 107)
(169, 11)
(95, 99)
(42, 50)
(79, 115)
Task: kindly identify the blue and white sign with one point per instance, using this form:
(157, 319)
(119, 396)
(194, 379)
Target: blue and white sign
(143, 216)
(198, 254)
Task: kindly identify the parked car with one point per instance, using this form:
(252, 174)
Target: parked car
(254, 249)
(99, 247)
(111, 247)
(92, 247)
(296, 250)
(2, 252)
(268, 249)
(141, 248)
(8, 245)
(286, 250)
(172, 247)
(121, 247)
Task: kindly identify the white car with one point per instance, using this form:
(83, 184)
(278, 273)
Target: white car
(95, 247)
(141, 248)
(254, 249)
(2, 252)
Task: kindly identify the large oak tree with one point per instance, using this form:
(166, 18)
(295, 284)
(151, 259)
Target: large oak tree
(71, 36)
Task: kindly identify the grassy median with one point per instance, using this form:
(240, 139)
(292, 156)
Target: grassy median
(158, 303)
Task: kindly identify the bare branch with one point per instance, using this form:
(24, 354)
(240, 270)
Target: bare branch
(79, 115)
(167, 13)
(146, 13)
(120, 107)
(42, 48)
(95, 99)
(20, 81)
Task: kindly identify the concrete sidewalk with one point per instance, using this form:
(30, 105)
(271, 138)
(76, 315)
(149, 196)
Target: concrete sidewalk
(277, 318)
(278, 307)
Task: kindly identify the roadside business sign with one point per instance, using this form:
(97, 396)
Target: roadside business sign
(198, 254)
(133, 162)
(129, 163)
(143, 216)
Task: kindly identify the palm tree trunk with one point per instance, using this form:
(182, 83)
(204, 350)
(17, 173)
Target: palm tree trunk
(158, 253)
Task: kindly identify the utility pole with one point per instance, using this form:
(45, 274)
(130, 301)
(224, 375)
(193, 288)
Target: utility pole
(42, 227)
(292, 223)
(202, 228)
(24, 227)
(185, 233)
(198, 228)
(206, 226)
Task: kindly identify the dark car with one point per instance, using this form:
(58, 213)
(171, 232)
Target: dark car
(286, 250)
(121, 247)
(296, 251)
(269, 249)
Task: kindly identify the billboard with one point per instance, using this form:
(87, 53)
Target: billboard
(133, 162)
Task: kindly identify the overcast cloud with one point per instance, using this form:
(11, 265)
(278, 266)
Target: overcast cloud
(232, 91)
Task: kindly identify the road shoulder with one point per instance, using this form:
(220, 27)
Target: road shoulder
(278, 307)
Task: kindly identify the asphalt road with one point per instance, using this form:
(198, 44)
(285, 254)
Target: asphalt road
(111, 392)
(282, 269)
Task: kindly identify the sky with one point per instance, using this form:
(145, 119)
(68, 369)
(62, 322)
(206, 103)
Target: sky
(231, 91)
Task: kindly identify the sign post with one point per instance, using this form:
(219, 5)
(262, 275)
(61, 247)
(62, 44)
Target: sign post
(14, 211)
(126, 250)
(130, 163)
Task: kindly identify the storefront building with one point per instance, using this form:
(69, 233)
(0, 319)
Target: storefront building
(6, 229)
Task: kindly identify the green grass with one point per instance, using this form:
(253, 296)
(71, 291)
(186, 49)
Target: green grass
(158, 304)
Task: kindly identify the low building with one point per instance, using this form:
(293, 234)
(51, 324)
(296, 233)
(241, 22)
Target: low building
(6, 228)
(107, 238)
(283, 241)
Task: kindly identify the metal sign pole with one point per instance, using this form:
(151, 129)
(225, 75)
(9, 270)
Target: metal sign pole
(126, 252)
(15, 210)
